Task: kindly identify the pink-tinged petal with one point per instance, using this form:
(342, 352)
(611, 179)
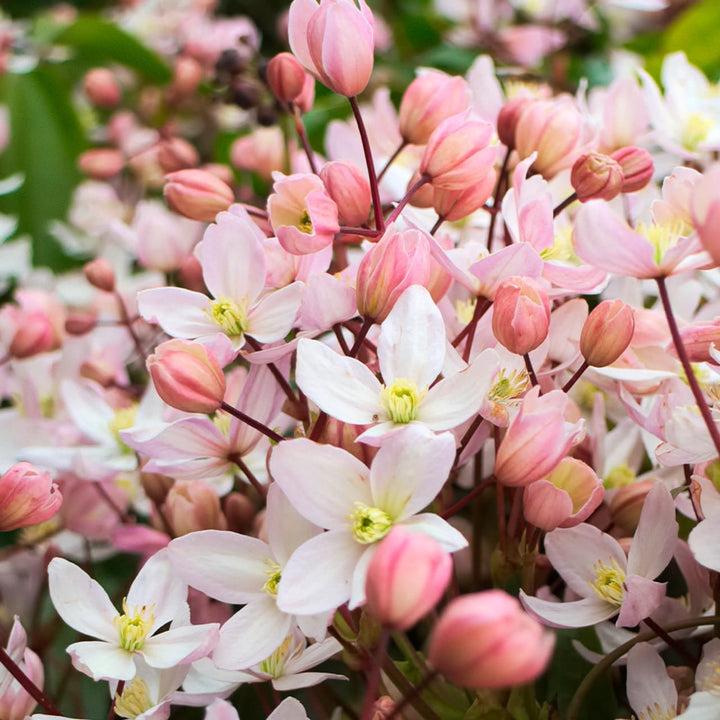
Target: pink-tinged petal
(298, 18)
(102, 661)
(518, 259)
(579, 613)
(458, 397)
(319, 573)
(703, 705)
(574, 551)
(602, 239)
(357, 585)
(179, 312)
(290, 708)
(656, 535)
(322, 482)
(187, 438)
(224, 565)
(704, 541)
(273, 317)
(412, 339)
(314, 654)
(286, 528)
(641, 597)
(180, 645)
(342, 387)
(650, 690)
(251, 634)
(444, 534)
(88, 409)
(221, 709)
(314, 626)
(233, 257)
(375, 435)
(410, 469)
(303, 680)
(583, 279)
(80, 601)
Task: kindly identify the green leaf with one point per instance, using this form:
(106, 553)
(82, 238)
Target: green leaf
(46, 139)
(693, 32)
(97, 41)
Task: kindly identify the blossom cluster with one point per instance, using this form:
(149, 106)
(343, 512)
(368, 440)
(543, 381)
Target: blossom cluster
(433, 393)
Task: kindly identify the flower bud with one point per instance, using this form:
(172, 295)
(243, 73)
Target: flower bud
(187, 75)
(187, 376)
(239, 512)
(27, 497)
(637, 166)
(607, 332)
(453, 205)
(156, 486)
(400, 259)
(101, 163)
(16, 703)
(100, 274)
(406, 578)
(80, 323)
(507, 120)
(197, 194)
(521, 314)
(262, 151)
(285, 76)
(101, 88)
(486, 640)
(627, 503)
(596, 177)
(698, 338)
(429, 99)
(35, 335)
(176, 154)
(349, 189)
(424, 195)
(458, 152)
(304, 101)
(192, 505)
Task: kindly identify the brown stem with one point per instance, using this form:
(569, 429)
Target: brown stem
(337, 329)
(27, 684)
(372, 177)
(365, 232)
(567, 201)
(437, 224)
(412, 696)
(530, 369)
(576, 376)
(360, 337)
(671, 642)
(423, 180)
(127, 322)
(496, 198)
(302, 135)
(259, 487)
(240, 415)
(373, 683)
(393, 158)
(460, 504)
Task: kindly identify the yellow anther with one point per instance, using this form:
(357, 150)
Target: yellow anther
(609, 581)
(696, 129)
(369, 524)
(400, 400)
(229, 315)
(663, 236)
(134, 625)
(134, 700)
(508, 385)
(305, 223)
(274, 573)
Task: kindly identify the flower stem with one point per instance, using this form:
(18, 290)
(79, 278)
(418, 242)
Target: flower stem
(496, 198)
(530, 369)
(373, 682)
(27, 684)
(360, 337)
(240, 415)
(302, 135)
(424, 179)
(372, 177)
(576, 376)
(128, 323)
(481, 307)
(671, 642)
(567, 201)
(393, 157)
(248, 473)
(460, 504)
(413, 697)
(687, 367)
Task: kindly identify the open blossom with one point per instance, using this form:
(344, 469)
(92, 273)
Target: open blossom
(156, 597)
(233, 262)
(15, 702)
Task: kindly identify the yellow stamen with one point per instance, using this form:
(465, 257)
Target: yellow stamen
(695, 130)
(663, 236)
(274, 665)
(369, 524)
(123, 419)
(400, 400)
(134, 625)
(609, 581)
(508, 385)
(229, 315)
(274, 573)
(305, 223)
(134, 701)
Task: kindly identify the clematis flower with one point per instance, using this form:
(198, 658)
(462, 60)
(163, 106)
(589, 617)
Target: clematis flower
(594, 566)
(233, 261)
(651, 693)
(156, 597)
(358, 506)
(15, 701)
(411, 353)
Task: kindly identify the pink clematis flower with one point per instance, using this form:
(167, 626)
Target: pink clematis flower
(595, 567)
(15, 701)
(233, 261)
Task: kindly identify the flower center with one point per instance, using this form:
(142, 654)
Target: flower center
(662, 236)
(274, 573)
(305, 223)
(400, 400)
(123, 419)
(134, 700)
(507, 385)
(134, 626)
(369, 524)
(619, 476)
(696, 129)
(229, 315)
(609, 581)
(274, 664)
(465, 310)
(562, 249)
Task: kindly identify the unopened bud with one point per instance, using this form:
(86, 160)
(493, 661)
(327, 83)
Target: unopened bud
(100, 274)
(637, 166)
(596, 177)
(156, 486)
(240, 513)
(422, 197)
(521, 314)
(453, 205)
(187, 75)
(80, 323)
(101, 88)
(35, 335)
(192, 505)
(101, 163)
(285, 76)
(607, 332)
(176, 154)
(507, 120)
(349, 188)
(197, 194)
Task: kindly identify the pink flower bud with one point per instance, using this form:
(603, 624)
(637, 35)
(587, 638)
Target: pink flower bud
(100, 274)
(637, 166)
(537, 439)
(193, 505)
(422, 197)
(304, 101)
(596, 176)
(187, 75)
(507, 119)
(521, 314)
(698, 338)
(564, 498)
(27, 497)
(486, 640)
(406, 578)
(101, 88)
(80, 323)
(348, 187)
(429, 99)
(176, 154)
(187, 376)
(16, 703)
(334, 41)
(239, 512)
(102, 163)
(285, 76)
(607, 332)
(458, 153)
(400, 259)
(197, 194)
(453, 205)
(34, 335)
(262, 151)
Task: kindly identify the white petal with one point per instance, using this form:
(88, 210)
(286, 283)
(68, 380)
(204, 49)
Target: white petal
(438, 529)
(102, 661)
(179, 312)
(342, 387)
(704, 541)
(180, 645)
(580, 613)
(322, 482)
(273, 317)
(88, 410)
(286, 528)
(289, 709)
(648, 683)
(357, 586)
(303, 680)
(412, 339)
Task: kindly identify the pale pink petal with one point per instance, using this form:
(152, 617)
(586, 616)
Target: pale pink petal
(410, 469)
(322, 482)
(649, 689)
(641, 597)
(704, 541)
(180, 645)
(342, 387)
(300, 13)
(303, 680)
(579, 613)
(186, 438)
(251, 634)
(224, 565)
(518, 259)
(286, 528)
(314, 654)
(357, 585)
(102, 661)
(438, 529)
(273, 317)
(88, 409)
(179, 312)
(412, 339)
(574, 551)
(318, 575)
(80, 601)
(654, 541)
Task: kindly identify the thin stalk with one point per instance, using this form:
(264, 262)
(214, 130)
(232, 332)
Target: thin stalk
(302, 135)
(437, 224)
(576, 376)
(118, 693)
(687, 367)
(360, 337)
(337, 329)
(27, 684)
(373, 682)
(279, 377)
(530, 369)
(393, 158)
(496, 198)
(481, 307)
(460, 504)
(372, 176)
(248, 473)
(423, 180)
(567, 201)
(671, 642)
(467, 437)
(122, 515)
(127, 322)
(413, 696)
(240, 415)
(365, 232)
